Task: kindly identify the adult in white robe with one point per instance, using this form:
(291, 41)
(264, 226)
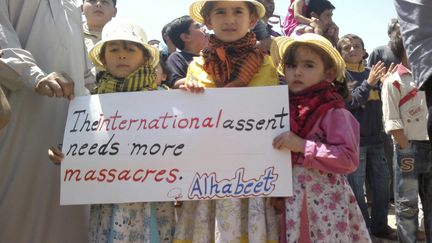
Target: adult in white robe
(38, 37)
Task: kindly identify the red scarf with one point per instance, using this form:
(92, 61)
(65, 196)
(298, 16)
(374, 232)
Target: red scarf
(235, 62)
(310, 105)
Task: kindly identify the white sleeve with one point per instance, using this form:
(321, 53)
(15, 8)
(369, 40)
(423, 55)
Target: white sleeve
(15, 57)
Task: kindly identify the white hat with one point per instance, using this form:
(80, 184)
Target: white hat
(123, 31)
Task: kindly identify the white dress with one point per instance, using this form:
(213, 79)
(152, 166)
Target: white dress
(49, 33)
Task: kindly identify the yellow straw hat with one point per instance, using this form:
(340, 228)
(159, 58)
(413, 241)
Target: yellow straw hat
(123, 31)
(196, 6)
(281, 44)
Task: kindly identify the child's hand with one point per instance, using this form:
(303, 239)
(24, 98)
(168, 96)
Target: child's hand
(193, 86)
(317, 25)
(376, 73)
(55, 155)
(289, 141)
(278, 203)
(331, 32)
(390, 71)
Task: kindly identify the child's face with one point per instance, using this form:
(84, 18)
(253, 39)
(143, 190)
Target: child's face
(121, 58)
(352, 51)
(196, 35)
(98, 12)
(307, 70)
(160, 75)
(230, 21)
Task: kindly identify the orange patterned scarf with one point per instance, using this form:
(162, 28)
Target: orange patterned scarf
(232, 64)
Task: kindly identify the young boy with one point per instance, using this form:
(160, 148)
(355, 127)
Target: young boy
(97, 13)
(188, 36)
(365, 105)
(405, 116)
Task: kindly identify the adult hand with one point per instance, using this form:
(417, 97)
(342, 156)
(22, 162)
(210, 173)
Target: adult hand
(56, 84)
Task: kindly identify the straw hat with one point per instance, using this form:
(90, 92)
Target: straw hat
(196, 6)
(123, 31)
(281, 44)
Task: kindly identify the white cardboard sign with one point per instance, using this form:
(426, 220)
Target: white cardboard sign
(175, 145)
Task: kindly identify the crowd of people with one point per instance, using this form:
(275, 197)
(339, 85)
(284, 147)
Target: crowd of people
(359, 123)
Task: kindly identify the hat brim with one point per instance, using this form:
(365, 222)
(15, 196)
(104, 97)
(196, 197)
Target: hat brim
(195, 8)
(281, 44)
(94, 53)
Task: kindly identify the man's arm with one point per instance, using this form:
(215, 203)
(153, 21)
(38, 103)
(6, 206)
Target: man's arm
(23, 63)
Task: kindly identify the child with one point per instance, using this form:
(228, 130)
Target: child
(230, 60)
(324, 144)
(97, 14)
(295, 20)
(308, 16)
(405, 117)
(366, 106)
(162, 73)
(130, 66)
(189, 38)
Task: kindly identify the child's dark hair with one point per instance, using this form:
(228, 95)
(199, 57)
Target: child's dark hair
(177, 27)
(318, 7)
(164, 31)
(145, 52)
(290, 54)
(289, 59)
(165, 69)
(208, 6)
(113, 1)
(341, 40)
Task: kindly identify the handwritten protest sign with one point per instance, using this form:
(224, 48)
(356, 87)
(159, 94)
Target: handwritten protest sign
(174, 145)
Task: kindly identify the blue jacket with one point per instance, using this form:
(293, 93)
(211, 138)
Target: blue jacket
(366, 106)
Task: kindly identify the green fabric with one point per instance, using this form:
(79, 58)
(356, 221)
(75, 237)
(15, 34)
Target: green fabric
(140, 80)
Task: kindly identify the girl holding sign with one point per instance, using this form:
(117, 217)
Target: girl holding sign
(324, 143)
(230, 60)
(130, 66)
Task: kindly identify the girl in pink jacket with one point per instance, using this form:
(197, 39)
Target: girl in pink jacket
(324, 142)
